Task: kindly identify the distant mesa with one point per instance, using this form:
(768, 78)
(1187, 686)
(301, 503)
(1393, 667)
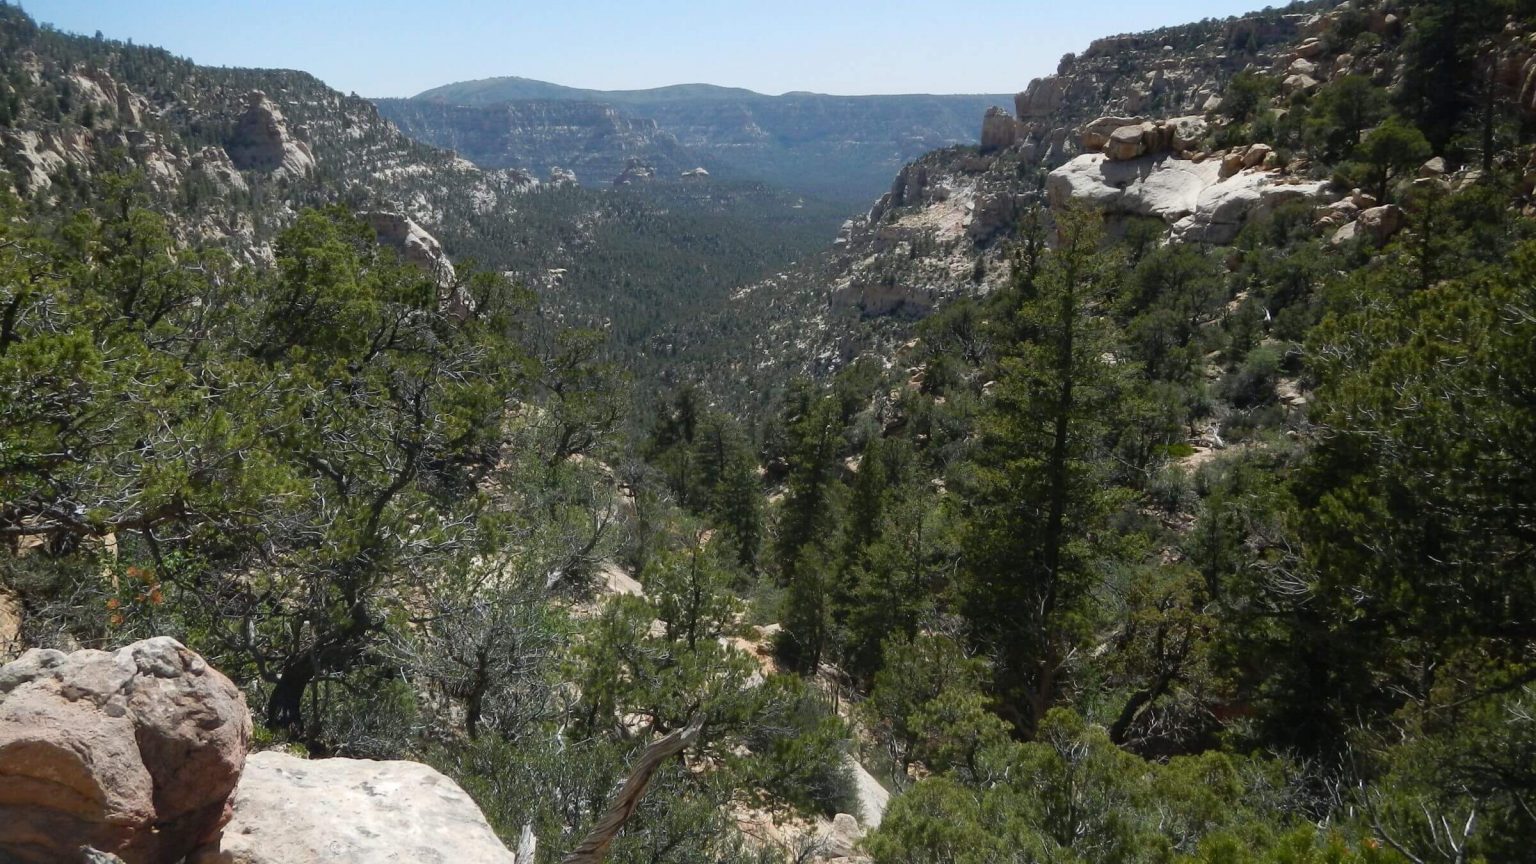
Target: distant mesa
(834, 148)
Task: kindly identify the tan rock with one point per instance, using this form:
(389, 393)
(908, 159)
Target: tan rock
(132, 753)
(1302, 66)
(1299, 84)
(1256, 154)
(349, 811)
(1127, 142)
(1095, 135)
(1381, 222)
(261, 140)
(1232, 162)
(999, 130)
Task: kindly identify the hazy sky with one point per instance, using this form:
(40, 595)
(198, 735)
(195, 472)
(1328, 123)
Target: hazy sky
(398, 48)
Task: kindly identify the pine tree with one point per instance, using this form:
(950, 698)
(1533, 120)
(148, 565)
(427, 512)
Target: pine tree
(1037, 501)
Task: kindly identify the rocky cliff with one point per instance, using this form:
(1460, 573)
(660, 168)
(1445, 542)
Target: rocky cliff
(1134, 126)
(834, 147)
(228, 154)
(591, 140)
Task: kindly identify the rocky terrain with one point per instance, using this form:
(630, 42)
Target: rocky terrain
(1134, 127)
(843, 148)
(231, 154)
(143, 755)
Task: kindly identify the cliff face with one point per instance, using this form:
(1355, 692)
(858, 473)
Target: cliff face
(229, 155)
(834, 147)
(1131, 126)
(1151, 96)
(594, 141)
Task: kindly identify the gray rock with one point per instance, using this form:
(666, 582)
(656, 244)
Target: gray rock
(1197, 199)
(289, 810)
(999, 131)
(261, 141)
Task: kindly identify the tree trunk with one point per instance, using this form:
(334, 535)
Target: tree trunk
(595, 847)
(285, 707)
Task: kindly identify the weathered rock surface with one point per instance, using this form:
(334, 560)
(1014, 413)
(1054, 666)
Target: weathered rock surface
(1196, 199)
(133, 753)
(262, 142)
(289, 810)
(999, 130)
(10, 625)
(412, 241)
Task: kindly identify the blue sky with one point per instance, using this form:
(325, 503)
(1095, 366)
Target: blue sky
(397, 48)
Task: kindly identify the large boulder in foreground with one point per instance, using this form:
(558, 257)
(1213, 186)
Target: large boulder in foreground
(345, 811)
(132, 753)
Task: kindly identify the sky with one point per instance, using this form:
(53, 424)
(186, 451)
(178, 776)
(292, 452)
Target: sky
(396, 48)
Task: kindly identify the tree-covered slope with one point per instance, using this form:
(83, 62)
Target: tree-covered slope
(842, 148)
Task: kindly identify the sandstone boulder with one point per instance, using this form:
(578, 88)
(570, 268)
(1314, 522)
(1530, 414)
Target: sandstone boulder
(1127, 142)
(1310, 49)
(132, 753)
(1256, 154)
(1096, 134)
(289, 810)
(1188, 132)
(1302, 66)
(1232, 162)
(262, 142)
(840, 838)
(999, 130)
(1382, 222)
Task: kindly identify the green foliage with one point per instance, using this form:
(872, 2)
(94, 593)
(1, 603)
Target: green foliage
(1246, 95)
(1036, 494)
(1341, 112)
(1387, 152)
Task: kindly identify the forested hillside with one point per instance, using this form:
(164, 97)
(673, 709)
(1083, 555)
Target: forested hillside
(230, 156)
(836, 148)
(1150, 483)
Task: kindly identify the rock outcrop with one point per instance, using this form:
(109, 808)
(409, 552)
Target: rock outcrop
(636, 170)
(414, 244)
(289, 810)
(1199, 200)
(999, 131)
(132, 753)
(261, 141)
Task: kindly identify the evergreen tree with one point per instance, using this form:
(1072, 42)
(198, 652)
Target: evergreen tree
(1037, 505)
